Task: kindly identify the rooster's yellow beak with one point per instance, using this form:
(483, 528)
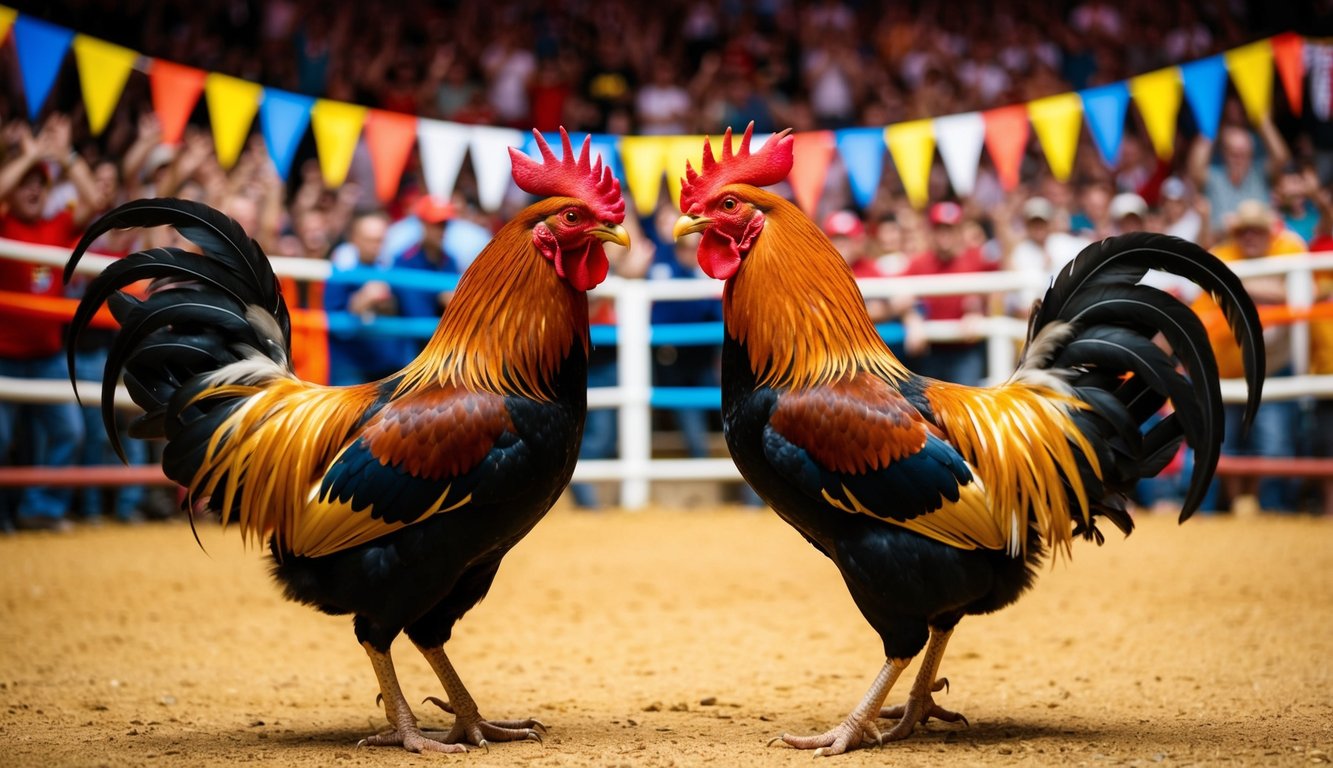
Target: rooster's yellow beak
(688, 224)
(612, 234)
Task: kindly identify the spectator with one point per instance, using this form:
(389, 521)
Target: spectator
(32, 349)
(355, 357)
(1293, 198)
(962, 361)
(428, 255)
(848, 234)
(1128, 213)
(662, 107)
(1181, 218)
(1044, 249)
(1237, 176)
(1254, 233)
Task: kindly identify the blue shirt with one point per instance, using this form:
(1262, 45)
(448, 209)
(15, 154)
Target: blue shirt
(421, 302)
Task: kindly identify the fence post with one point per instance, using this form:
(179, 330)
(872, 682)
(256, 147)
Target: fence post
(1300, 296)
(634, 368)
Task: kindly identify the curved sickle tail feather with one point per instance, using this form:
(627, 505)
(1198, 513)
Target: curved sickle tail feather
(1095, 328)
(204, 312)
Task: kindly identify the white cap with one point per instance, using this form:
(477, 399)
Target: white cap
(1127, 204)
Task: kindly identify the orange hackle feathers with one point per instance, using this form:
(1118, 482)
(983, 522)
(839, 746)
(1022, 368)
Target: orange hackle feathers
(798, 311)
(582, 178)
(769, 165)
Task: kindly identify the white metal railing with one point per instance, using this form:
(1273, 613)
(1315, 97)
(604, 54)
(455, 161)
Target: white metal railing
(635, 470)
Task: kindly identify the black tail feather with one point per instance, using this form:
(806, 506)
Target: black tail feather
(1115, 319)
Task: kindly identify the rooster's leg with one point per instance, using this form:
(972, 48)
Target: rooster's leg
(859, 728)
(469, 726)
(404, 732)
(920, 705)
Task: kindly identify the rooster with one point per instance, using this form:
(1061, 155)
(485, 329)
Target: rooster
(392, 501)
(937, 500)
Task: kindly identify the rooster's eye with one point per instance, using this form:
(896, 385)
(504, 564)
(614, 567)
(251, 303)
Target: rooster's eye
(571, 217)
(729, 204)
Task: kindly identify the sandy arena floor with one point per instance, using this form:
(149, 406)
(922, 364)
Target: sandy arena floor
(673, 638)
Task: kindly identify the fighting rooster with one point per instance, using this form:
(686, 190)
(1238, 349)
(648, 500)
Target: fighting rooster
(937, 500)
(392, 501)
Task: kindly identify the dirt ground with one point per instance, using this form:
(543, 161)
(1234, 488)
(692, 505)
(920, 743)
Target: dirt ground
(673, 638)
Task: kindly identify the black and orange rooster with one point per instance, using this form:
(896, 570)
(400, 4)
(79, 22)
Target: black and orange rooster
(937, 500)
(393, 501)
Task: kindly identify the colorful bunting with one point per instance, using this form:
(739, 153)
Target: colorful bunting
(232, 104)
(283, 117)
(337, 127)
(1006, 141)
(176, 90)
(389, 139)
(644, 158)
(103, 70)
(677, 150)
(960, 139)
(1205, 84)
(912, 145)
(1251, 69)
(41, 50)
(813, 152)
(1157, 95)
(862, 153)
(7, 16)
(1057, 119)
(443, 147)
(1289, 56)
(490, 160)
(1105, 107)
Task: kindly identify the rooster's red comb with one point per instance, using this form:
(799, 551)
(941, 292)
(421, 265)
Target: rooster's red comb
(769, 165)
(578, 177)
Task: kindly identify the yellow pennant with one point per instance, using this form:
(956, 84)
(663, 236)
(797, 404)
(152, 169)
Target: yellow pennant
(337, 127)
(644, 158)
(1251, 68)
(1157, 95)
(7, 16)
(912, 145)
(103, 70)
(232, 104)
(1057, 120)
(682, 148)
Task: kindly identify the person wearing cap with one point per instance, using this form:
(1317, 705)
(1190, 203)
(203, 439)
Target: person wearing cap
(1254, 232)
(32, 347)
(848, 234)
(1043, 250)
(427, 255)
(1180, 217)
(1128, 213)
(962, 361)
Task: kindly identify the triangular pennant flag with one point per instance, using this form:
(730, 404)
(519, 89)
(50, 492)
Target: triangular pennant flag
(284, 117)
(813, 151)
(1205, 84)
(7, 16)
(959, 139)
(1057, 120)
(912, 145)
(337, 127)
(1251, 69)
(443, 147)
(1157, 95)
(1104, 107)
(232, 104)
(490, 160)
(1006, 141)
(176, 90)
(862, 153)
(1289, 57)
(103, 70)
(41, 50)
(644, 158)
(679, 149)
(389, 139)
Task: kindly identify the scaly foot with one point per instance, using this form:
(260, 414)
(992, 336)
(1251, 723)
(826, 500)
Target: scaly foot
(919, 710)
(847, 735)
(410, 739)
(480, 732)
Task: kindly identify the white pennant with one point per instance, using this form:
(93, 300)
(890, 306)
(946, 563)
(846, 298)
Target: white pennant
(443, 147)
(490, 161)
(959, 139)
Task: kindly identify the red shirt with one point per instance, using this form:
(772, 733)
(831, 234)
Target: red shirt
(26, 338)
(948, 307)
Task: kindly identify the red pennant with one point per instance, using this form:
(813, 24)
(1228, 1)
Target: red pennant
(1006, 141)
(1289, 57)
(176, 90)
(813, 152)
(389, 137)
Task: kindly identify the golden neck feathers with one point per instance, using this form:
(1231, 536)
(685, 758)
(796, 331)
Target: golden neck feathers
(511, 322)
(796, 307)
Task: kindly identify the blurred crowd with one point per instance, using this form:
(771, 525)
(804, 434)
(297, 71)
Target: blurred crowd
(672, 68)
